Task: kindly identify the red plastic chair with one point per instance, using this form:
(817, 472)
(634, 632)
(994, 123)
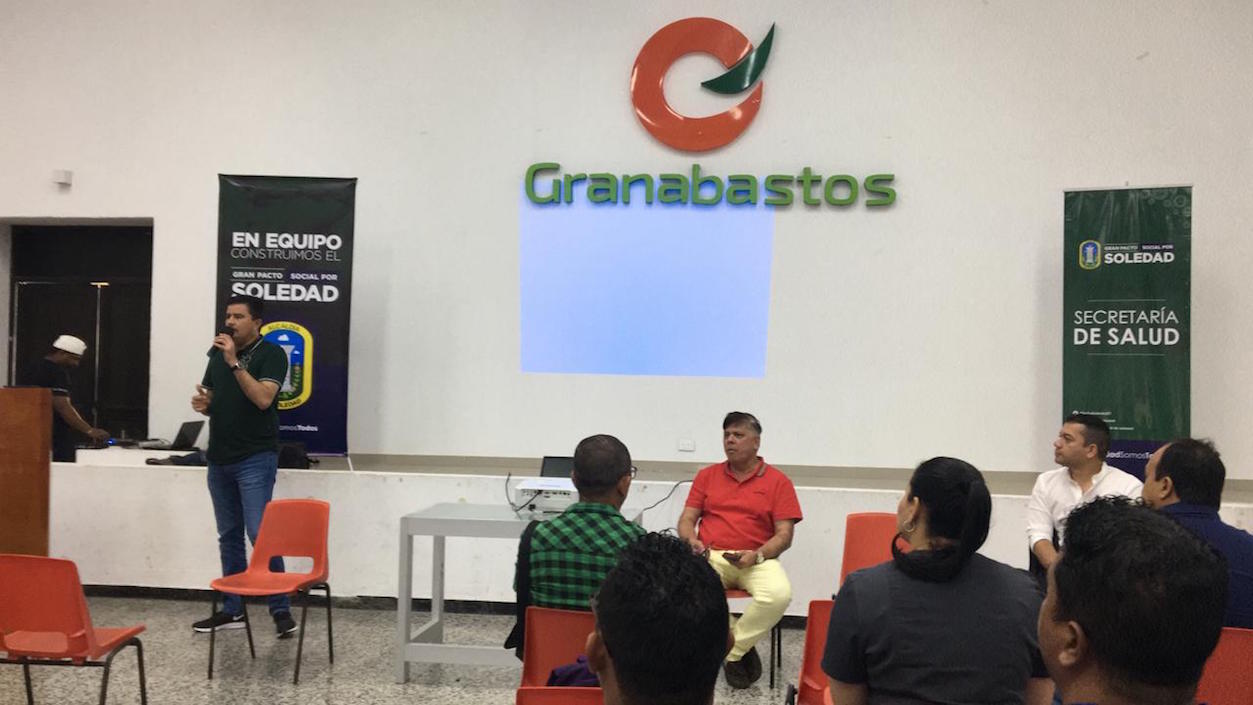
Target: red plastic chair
(813, 681)
(776, 636)
(1228, 678)
(557, 695)
(44, 622)
(867, 541)
(553, 638)
(289, 527)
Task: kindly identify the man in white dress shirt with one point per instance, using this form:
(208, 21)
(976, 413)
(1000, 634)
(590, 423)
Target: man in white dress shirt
(1080, 449)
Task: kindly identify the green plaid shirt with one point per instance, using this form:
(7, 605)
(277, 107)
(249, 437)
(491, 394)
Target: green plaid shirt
(572, 552)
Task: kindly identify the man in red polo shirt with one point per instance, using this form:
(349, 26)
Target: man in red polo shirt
(746, 510)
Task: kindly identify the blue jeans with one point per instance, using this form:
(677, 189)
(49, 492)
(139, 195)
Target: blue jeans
(240, 492)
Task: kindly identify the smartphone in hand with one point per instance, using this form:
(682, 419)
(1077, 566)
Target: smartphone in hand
(731, 556)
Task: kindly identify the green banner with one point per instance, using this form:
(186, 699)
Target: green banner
(1127, 304)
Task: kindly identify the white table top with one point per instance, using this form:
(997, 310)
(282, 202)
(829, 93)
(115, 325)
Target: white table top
(118, 457)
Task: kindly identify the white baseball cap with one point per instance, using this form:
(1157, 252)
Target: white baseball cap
(70, 344)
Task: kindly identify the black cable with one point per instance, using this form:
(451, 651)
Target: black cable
(672, 489)
(509, 501)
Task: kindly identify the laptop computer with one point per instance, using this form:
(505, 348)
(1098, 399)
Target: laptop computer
(556, 466)
(185, 440)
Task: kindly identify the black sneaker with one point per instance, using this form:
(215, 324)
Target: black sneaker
(743, 673)
(284, 625)
(752, 663)
(218, 622)
(737, 675)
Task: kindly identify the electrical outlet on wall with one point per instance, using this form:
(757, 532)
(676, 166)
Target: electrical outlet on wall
(687, 445)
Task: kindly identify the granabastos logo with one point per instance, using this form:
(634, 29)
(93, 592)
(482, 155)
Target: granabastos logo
(547, 184)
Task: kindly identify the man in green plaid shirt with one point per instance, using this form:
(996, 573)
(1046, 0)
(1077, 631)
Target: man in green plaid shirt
(572, 552)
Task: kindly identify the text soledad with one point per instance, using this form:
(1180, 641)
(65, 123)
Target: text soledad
(706, 189)
(314, 293)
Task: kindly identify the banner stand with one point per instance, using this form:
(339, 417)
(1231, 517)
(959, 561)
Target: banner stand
(1127, 307)
(288, 240)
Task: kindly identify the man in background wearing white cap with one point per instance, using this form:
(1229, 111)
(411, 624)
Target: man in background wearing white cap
(54, 373)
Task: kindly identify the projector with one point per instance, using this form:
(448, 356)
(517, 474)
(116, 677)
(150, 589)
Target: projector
(547, 495)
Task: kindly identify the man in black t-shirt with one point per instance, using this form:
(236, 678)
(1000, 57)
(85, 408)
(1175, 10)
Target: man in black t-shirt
(239, 394)
(54, 373)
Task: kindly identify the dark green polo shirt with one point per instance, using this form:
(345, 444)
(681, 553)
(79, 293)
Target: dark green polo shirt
(237, 428)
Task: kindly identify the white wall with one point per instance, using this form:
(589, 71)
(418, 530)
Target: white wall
(931, 327)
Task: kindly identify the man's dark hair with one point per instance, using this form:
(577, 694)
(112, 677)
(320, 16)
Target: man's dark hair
(741, 418)
(599, 462)
(256, 307)
(1149, 596)
(1095, 431)
(1195, 469)
(662, 615)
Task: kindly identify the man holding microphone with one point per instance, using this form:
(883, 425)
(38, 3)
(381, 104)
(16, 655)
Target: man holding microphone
(239, 394)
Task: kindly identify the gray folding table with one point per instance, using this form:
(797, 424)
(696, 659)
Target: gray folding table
(495, 521)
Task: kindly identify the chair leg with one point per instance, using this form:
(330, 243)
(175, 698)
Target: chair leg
(30, 692)
(780, 662)
(247, 626)
(300, 642)
(213, 633)
(772, 656)
(104, 680)
(143, 680)
(330, 636)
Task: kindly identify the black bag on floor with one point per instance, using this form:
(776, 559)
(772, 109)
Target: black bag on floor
(293, 456)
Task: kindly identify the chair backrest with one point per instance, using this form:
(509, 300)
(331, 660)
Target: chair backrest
(812, 678)
(559, 695)
(553, 638)
(1228, 675)
(44, 596)
(293, 527)
(867, 541)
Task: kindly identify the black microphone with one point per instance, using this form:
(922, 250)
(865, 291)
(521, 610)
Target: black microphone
(222, 330)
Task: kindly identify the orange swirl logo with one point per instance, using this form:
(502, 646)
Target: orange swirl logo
(727, 44)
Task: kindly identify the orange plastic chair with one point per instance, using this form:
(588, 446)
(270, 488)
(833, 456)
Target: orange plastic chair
(557, 695)
(289, 527)
(1227, 678)
(813, 681)
(776, 636)
(867, 541)
(44, 622)
(553, 638)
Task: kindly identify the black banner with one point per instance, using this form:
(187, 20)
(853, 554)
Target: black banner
(288, 240)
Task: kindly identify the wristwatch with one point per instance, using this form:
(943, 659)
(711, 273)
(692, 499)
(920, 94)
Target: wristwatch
(761, 558)
(237, 366)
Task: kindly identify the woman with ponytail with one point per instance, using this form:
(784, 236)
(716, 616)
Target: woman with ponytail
(939, 623)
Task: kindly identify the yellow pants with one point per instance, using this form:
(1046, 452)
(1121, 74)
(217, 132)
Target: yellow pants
(771, 591)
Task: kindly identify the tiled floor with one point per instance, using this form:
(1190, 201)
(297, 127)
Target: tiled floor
(176, 660)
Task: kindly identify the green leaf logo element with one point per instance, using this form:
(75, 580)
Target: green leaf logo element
(745, 72)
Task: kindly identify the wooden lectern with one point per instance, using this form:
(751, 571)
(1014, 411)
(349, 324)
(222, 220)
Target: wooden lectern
(25, 456)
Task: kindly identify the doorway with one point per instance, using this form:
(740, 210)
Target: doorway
(93, 282)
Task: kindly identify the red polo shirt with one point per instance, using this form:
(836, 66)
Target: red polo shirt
(740, 514)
